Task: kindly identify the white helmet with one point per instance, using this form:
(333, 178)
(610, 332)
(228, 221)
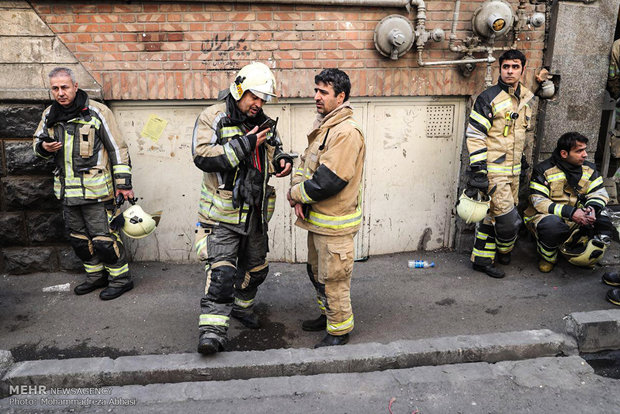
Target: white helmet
(138, 223)
(472, 210)
(256, 78)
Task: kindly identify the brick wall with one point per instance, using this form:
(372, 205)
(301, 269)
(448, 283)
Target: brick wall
(189, 50)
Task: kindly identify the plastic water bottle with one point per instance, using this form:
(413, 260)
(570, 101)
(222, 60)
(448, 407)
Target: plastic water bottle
(420, 264)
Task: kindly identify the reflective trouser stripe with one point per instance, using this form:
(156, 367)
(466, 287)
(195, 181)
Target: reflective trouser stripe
(321, 304)
(547, 253)
(93, 268)
(243, 303)
(117, 271)
(484, 244)
(505, 246)
(211, 319)
(334, 328)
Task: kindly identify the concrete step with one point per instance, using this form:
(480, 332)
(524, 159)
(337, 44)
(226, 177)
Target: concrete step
(541, 385)
(176, 368)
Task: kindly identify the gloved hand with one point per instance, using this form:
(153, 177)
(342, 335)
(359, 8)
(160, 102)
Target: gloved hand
(478, 181)
(281, 156)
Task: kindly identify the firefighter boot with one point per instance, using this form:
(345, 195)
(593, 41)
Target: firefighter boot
(613, 295)
(248, 319)
(545, 266)
(112, 292)
(313, 325)
(331, 340)
(208, 344)
(611, 278)
(503, 258)
(489, 270)
(88, 287)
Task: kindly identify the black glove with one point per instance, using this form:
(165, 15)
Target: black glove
(478, 181)
(281, 156)
(524, 167)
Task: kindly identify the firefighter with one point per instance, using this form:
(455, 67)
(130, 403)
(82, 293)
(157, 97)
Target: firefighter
(613, 77)
(495, 140)
(326, 195)
(92, 167)
(237, 147)
(567, 194)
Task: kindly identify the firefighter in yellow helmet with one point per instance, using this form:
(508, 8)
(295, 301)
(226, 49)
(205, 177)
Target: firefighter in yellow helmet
(238, 148)
(567, 194)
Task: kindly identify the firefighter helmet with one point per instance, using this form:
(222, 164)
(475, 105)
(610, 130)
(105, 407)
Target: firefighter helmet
(258, 79)
(472, 210)
(138, 223)
(581, 250)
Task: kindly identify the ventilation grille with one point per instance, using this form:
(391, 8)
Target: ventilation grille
(439, 121)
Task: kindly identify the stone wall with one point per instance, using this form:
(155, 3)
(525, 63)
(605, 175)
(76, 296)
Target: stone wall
(31, 225)
(33, 237)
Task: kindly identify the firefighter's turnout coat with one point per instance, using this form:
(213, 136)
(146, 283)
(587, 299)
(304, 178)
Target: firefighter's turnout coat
(219, 146)
(329, 179)
(94, 159)
(550, 192)
(495, 139)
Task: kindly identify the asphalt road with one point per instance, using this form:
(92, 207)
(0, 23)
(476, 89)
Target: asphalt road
(390, 302)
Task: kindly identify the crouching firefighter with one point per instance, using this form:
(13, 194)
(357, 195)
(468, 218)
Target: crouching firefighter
(237, 147)
(495, 142)
(92, 166)
(566, 208)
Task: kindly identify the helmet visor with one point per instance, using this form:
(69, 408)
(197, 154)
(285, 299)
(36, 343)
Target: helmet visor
(265, 96)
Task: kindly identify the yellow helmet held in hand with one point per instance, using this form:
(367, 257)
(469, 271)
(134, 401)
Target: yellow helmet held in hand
(138, 223)
(472, 210)
(583, 251)
(256, 78)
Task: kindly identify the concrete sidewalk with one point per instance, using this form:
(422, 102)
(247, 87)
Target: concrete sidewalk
(390, 301)
(405, 318)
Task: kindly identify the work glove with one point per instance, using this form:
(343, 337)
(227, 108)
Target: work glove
(478, 181)
(288, 159)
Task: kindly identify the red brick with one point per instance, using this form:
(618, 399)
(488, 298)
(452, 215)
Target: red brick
(108, 47)
(236, 17)
(127, 18)
(153, 46)
(286, 16)
(152, 17)
(108, 18)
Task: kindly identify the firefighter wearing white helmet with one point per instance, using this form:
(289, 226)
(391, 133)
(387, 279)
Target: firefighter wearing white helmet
(256, 78)
(237, 147)
(567, 206)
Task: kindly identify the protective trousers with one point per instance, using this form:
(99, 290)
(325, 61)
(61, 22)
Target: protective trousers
(498, 231)
(330, 266)
(551, 231)
(235, 267)
(100, 249)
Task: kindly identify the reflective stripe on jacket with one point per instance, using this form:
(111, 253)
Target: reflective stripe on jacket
(329, 178)
(219, 147)
(495, 142)
(93, 160)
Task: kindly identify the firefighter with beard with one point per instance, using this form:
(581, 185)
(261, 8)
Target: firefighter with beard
(237, 147)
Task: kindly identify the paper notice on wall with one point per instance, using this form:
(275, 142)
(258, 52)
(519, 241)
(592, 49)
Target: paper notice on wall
(153, 128)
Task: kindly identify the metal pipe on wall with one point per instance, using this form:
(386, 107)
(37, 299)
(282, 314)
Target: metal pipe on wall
(370, 3)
